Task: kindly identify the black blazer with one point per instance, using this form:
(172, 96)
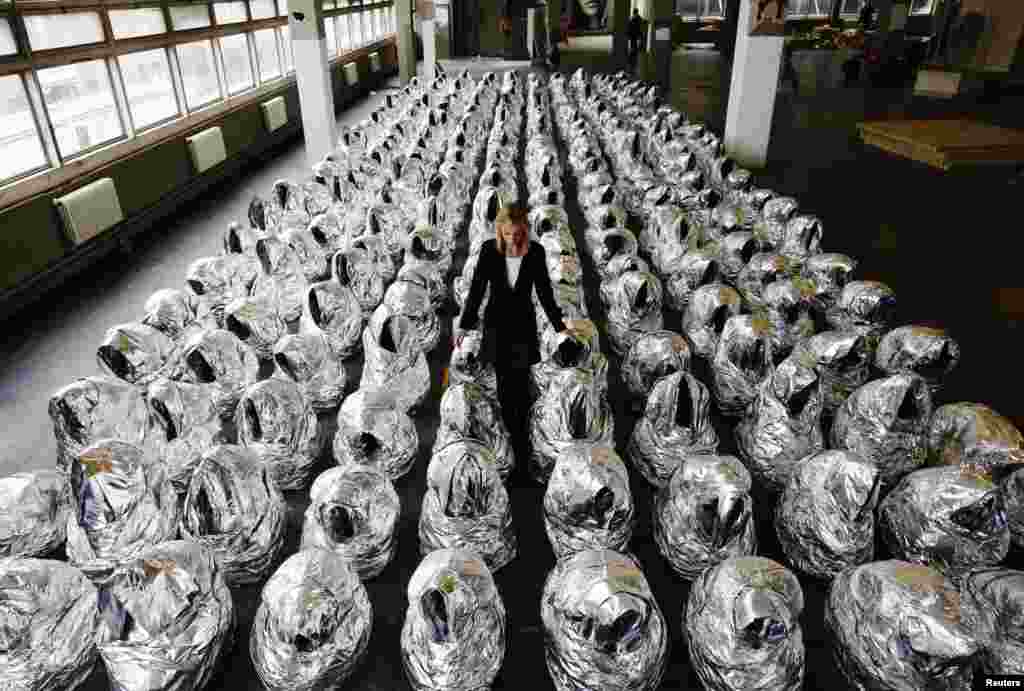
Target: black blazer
(510, 313)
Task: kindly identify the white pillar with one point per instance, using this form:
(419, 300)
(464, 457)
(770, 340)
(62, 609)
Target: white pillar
(755, 81)
(406, 41)
(313, 77)
(428, 28)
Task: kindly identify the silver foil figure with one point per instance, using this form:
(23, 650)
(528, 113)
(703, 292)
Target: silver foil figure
(635, 309)
(168, 619)
(842, 361)
(308, 360)
(312, 256)
(373, 431)
(654, 355)
(353, 513)
(825, 517)
(394, 360)
(686, 271)
(952, 519)
(313, 625)
(828, 273)
(413, 301)
(137, 353)
(864, 304)
(282, 278)
(216, 281)
(710, 308)
(704, 514)
(171, 311)
(233, 508)
(333, 309)
(742, 626)
(368, 254)
(741, 362)
(124, 503)
(427, 277)
(771, 229)
(972, 434)
(588, 504)
(34, 511)
(886, 422)
(50, 624)
(782, 425)
(928, 352)
(357, 271)
(763, 269)
(901, 627)
(277, 424)
(95, 408)
(184, 424)
(469, 366)
(256, 322)
(998, 597)
(802, 239)
(466, 506)
(453, 638)
(603, 628)
(225, 366)
(560, 351)
(735, 251)
(676, 424)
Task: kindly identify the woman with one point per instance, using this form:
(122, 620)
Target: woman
(513, 267)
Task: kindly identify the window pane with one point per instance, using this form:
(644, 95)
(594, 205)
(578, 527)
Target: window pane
(7, 44)
(266, 54)
(81, 105)
(342, 24)
(356, 27)
(286, 42)
(229, 12)
(131, 23)
(20, 148)
(189, 17)
(198, 73)
(282, 8)
(237, 66)
(58, 30)
(262, 9)
(148, 86)
(331, 38)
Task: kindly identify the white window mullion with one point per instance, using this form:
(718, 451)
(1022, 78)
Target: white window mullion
(120, 98)
(35, 96)
(177, 80)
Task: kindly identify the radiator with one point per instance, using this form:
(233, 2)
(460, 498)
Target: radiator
(206, 149)
(275, 113)
(90, 210)
(375, 61)
(351, 74)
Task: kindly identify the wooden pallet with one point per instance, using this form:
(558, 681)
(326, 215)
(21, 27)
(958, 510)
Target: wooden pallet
(946, 143)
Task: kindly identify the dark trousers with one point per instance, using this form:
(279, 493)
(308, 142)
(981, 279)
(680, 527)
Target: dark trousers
(512, 365)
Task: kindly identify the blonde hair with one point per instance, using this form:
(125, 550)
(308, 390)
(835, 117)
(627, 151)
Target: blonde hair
(510, 214)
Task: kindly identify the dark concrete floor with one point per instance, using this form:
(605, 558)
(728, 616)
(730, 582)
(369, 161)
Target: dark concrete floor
(943, 241)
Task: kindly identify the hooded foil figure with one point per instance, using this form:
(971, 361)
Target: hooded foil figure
(256, 323)
(123, 503)
(34, 511)
(763, 269)
(333, 309)
(372, 431)
(282, 278)
(930, 353)
(676, 424)
(223, 365)
(353, 512)
(825, 518)
(775, 217)
(313, 625)
(356, 271)
(137, 353)
(829, 273)
(787, 307)
(867, 306)
(998, 597)
(168, 619)
(741, 362)
(469, 366)
(901, 627)
(634, 310)
(277, 423)
(171, 311)
(653, 356)
(686, 271)
(709, 310)
(470, 412)
(782, 425)
(842, 361)
(466, 505)
(735, 251)
(216, 281)
(742, 625)
(394, 360)
(184, 424)
(311, 251)
(704, 514)
(453, 638)
(972, 434)
(95, 408)
(950, 518)
(603, 628)
(573, 408)
(802, 239)
(308, 360)
(233, 508)
(588, 504)
(368, 255)
(50, 625)
(886, 422)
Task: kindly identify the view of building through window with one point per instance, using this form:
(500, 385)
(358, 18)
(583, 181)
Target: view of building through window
(148, 87)
(80, 102)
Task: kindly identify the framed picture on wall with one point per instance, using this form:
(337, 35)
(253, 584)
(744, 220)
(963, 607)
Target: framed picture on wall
(768, 18)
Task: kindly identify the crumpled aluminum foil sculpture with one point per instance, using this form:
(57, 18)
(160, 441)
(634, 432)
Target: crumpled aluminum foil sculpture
(468, 366)
(50, 624)
(171, 311)
(802, 239)
(470, 412)
(829, 273)
(373, 431)
(312, 256)
(972, 434)
(634, 310)
(256, 323)
(333, 309)
(886, 422)
(356, 270)
(588, 504)
(278, 425)
(771, 229)
(901, 627)
(168, 618)
(735, 251)
(653, 356)
(763, 269)
(742, 625)
(34, 511)
(95, 408)
(921, 350)
(137, 353)
(368, 257)
(842, 361)
(225, 366)
(949, 518)
(216, 281)
(998, 597)
(281, 279)
(603, 628)
(788, 309)
(233, 508)
(685, 272)
(394, 360)
(741, 362)
(353, 513)
(708, 311)
(573, 408)
(453, 638)
(313, 625)
(782, 426)
(125, 503)
(308, 360)
(704, 514)
(864, 305)
(676, 424)
(184, 424)
(825, 517)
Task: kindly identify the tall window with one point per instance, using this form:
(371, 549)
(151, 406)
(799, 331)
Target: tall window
(198, 73)
(234, 51)
(266, 54)
(21, 150)
(148, 87)
(356, 27)
(81, 105)
(7, 43)
(331, 37)
(344, 40)
(287, 52)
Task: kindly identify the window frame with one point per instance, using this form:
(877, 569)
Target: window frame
(221, 78)
(281, 74)
(174, 91)
(222, 68)
(48, 156)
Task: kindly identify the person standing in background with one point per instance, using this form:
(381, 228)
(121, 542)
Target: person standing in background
(636, 35)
